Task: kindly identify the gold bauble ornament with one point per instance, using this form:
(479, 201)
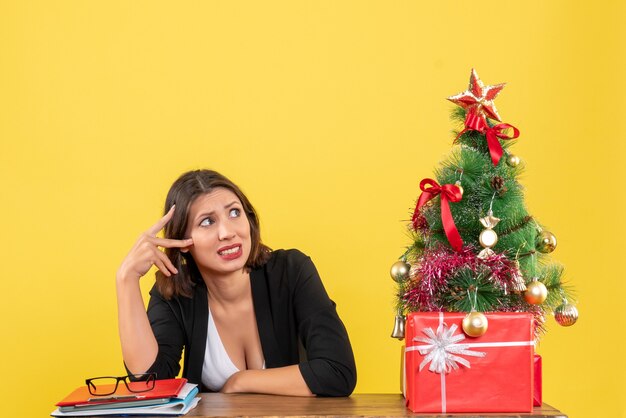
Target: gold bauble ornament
(512, 160)
(458, 184)
(566, 314)
(536, 292)
(475, 324)
(400, 271)
(545, 242)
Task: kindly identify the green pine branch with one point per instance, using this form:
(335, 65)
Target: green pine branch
(551, 276)
(468, 290)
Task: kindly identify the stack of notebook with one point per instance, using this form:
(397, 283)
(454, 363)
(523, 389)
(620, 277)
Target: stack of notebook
(169, 397)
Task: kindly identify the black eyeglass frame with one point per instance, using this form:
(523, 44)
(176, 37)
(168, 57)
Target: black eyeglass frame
(143, 377)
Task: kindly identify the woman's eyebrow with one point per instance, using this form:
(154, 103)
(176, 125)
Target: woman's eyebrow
(202, 214)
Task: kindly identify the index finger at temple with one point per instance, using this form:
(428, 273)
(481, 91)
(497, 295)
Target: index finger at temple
(172, 243)
(154, 229)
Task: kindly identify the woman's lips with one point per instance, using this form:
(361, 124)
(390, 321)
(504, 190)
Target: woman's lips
(230, 252)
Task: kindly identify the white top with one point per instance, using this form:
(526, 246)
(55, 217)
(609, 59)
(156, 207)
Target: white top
(217, 367)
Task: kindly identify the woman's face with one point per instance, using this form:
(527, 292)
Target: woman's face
(220, 231)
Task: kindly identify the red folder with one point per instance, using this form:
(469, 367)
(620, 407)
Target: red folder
(165, 388)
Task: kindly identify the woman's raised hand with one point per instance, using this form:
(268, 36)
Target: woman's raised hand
(146, 252)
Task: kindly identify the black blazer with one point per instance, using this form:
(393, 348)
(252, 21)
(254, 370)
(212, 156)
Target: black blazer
(292, 308)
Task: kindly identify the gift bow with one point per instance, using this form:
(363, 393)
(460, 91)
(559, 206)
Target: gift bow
(442, 350)
(477, 122)
(449, 193)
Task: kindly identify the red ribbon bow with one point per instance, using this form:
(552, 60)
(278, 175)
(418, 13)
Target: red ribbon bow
(477, 122)
(474, 122)
(495, 132)
(449, 193)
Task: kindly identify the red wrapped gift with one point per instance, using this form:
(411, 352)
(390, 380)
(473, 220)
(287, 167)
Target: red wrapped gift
(447, 371)
(537, 400)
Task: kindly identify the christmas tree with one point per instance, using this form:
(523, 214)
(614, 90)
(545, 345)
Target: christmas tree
(476, 248)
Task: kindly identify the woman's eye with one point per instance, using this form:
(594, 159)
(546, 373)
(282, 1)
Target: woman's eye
(206, 222)
(234, 213)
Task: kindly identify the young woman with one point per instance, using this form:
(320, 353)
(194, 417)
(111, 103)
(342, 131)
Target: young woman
(248, 318)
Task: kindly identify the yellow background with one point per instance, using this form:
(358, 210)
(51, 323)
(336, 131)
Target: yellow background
(328, 114)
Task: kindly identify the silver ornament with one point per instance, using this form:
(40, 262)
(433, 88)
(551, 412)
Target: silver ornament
(398, 327)
(488, 237)
(518, 280)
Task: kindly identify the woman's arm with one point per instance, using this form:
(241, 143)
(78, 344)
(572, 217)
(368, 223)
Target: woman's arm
(330, 368)
(139, 345)
(278, 381)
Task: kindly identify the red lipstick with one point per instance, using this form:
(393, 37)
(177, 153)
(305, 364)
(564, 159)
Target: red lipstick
(230, 255)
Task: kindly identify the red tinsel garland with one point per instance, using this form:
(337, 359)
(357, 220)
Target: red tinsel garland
(438, 264)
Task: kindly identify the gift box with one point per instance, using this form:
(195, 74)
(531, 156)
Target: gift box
(449, 372)
(537, 378)
(537, 399)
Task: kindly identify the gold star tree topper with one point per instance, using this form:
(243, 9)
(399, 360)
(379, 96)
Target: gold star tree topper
(478, 98)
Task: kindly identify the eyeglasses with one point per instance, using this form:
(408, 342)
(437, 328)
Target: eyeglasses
(107, 385)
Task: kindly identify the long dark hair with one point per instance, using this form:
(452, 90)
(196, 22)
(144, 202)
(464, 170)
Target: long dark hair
(185, 190)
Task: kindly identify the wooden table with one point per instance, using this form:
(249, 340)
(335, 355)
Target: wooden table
(358, 405)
